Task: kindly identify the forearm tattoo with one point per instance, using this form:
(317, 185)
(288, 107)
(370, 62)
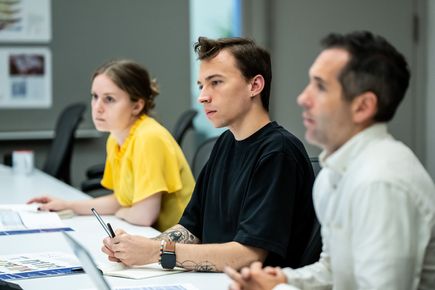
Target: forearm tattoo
(178, 234)
(205, 266)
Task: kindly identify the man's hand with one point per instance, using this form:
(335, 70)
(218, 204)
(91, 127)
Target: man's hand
(131, 249)
(255, 278)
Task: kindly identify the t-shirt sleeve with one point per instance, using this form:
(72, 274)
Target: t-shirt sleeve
(266, 215)
(156, 167)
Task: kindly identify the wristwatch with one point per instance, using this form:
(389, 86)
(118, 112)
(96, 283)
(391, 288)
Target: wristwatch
(167, 255)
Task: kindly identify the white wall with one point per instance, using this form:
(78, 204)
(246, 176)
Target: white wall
(294, 31)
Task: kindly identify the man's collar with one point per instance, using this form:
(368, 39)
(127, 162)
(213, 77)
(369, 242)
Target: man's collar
(340, 159)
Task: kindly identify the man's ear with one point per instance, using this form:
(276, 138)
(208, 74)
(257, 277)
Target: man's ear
(364, 107)
(257, 85)
(138, 106)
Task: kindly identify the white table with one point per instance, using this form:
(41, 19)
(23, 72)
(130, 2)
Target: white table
(20, 188)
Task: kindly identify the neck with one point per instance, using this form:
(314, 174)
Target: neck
(354, 131)
(121, 135)
(250, 124)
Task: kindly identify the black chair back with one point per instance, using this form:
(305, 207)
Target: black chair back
(315, 164)
(201, 155)
(58, 162)
(183, 124)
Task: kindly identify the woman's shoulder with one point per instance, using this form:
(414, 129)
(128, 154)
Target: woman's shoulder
(150, 130)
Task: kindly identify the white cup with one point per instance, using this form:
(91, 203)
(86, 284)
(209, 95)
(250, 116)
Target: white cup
(22, 161)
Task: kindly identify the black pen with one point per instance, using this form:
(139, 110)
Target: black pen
(112, 233)
(107, 227)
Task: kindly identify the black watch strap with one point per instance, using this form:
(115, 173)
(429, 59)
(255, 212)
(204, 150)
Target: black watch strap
(167, 255)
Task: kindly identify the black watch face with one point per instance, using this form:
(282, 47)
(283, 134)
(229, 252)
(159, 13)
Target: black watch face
(168, 261)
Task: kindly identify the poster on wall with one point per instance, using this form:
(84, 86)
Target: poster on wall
(25, 20)
(25, 78)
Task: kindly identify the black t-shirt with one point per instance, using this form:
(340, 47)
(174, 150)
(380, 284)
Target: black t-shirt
(256, 192)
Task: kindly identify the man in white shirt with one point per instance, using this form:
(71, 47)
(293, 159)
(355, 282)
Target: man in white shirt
(373, 198)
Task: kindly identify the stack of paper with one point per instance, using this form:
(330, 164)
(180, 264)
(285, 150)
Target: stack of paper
(33, 265)
(25, 218)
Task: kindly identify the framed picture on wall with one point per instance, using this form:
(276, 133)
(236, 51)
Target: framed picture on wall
(25, 21)
(25, 78)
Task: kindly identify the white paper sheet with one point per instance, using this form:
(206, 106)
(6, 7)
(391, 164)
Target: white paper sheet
(27, 217)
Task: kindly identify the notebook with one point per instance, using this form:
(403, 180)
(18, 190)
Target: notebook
(97, 277)
(137, 272)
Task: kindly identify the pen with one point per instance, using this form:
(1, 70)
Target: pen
(112, 233)
(107, 227)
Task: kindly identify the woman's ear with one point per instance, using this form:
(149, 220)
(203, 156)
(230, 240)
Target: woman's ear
(138, 107)
(364, 107)
(257, 85)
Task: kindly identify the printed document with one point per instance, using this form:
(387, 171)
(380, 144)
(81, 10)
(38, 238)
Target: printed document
(25, 218)
(33, 265)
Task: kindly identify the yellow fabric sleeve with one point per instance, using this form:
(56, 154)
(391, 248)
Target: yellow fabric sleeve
(149, 161)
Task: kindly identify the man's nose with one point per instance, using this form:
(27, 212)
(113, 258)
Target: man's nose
(303, 98)
(204, 97)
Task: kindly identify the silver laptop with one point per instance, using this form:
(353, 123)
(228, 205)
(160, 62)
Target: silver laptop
(97, 277)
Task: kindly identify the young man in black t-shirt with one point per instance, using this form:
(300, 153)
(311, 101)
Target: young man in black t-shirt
(252, 200)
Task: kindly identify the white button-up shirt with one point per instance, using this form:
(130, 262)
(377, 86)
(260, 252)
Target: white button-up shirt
(376, 205)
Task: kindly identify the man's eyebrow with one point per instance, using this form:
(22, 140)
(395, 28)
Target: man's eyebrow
(209, 78)
(319, 80)
(212, 76)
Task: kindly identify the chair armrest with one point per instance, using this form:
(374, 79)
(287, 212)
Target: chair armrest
(91, 184)
(95, 171)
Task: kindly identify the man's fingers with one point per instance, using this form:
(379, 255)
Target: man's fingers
(233, 274)
(256, 266)
(113, 259)
(245, 273)
(105, 250)
(270, 270)
(280, 274)
(120, 232)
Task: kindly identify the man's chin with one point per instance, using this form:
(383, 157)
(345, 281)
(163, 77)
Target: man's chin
(312, 140)
(218, 125)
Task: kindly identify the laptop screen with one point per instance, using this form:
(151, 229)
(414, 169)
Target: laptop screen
(88, 263)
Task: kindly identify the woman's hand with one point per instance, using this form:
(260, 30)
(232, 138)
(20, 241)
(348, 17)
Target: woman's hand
(48, 203)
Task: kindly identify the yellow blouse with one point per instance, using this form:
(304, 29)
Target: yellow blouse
(148, 162)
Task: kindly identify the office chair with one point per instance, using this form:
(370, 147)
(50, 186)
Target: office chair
(184, 124)
(58, 162)
(314, 247)
(94, 174)
(316, 165)
(201, 156)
